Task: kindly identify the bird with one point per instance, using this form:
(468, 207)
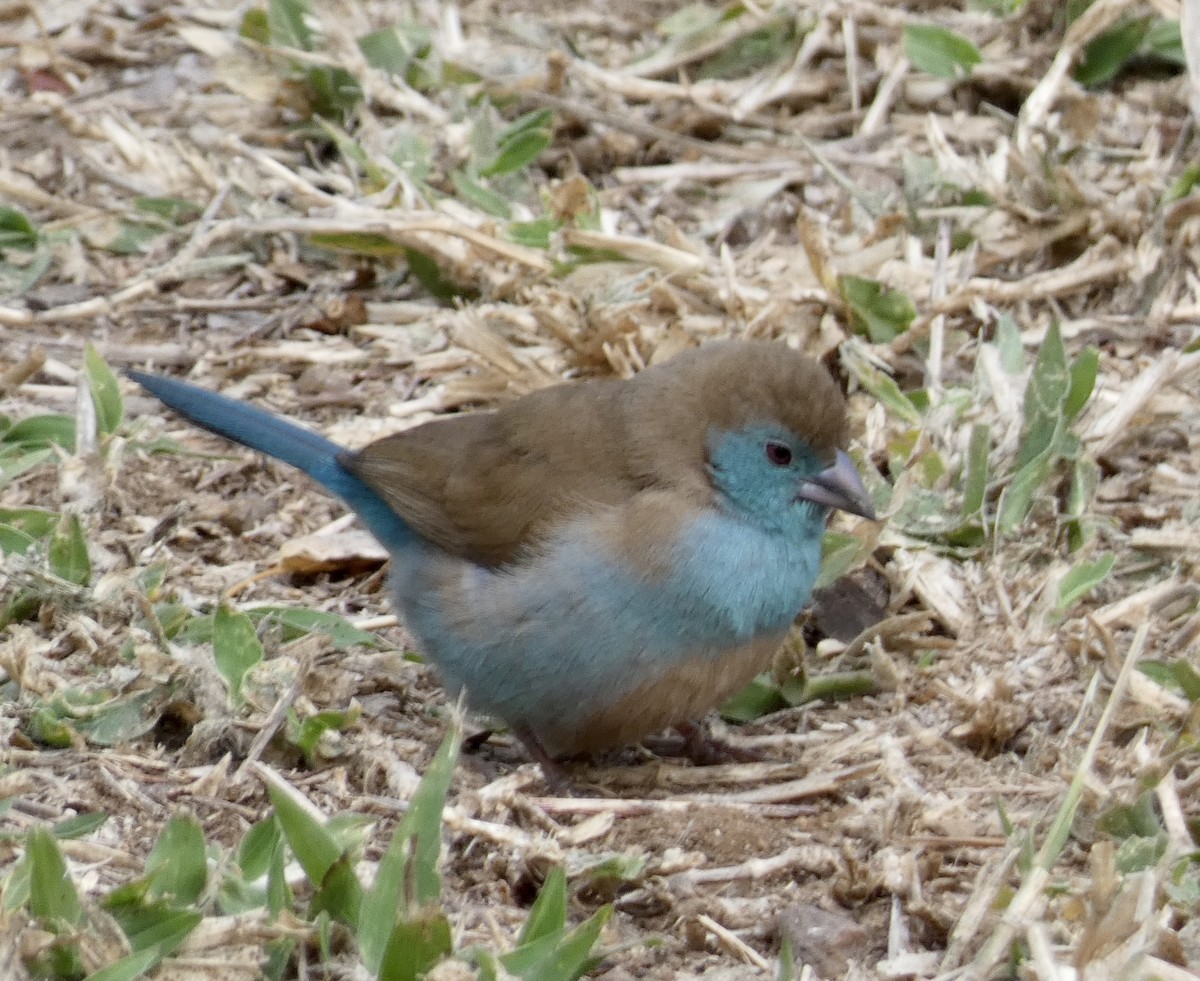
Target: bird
(600, 560)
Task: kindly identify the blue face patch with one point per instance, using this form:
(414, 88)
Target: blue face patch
(757, 472)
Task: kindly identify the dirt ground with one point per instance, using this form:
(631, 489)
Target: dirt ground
(729, 206)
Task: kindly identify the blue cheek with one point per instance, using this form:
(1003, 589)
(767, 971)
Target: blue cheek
(752, 485)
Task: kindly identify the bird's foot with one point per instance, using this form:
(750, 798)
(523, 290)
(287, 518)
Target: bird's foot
(701, 747)
(555, 776)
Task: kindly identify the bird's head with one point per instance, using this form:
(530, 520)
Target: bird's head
(759, 424)
(775, 477)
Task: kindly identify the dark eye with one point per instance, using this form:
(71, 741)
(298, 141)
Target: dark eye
(779, 454)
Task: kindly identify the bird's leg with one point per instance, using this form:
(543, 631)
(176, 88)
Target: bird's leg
(556, 777)
(705, 749)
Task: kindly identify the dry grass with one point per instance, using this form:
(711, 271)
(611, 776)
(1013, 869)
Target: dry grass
(736, 204)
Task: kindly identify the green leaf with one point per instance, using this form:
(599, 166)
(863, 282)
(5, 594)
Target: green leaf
(1183, 185)
(1009, 345)
(1044, 396)
(1085, 479)
(76, 827)
(839, 554)
(833, 686)
(300, 622)
(150, 579)
(306, 734)
(612, 869)
(236, 647)
(975, 474)
(487, 963)
(130, 967)
(940, 52)
(881, 313)
(761, 697)
(18, 277)
(566, 959)
(1084, 369)
(1082, 579)
(38, 432)
(46, 727)
(325, 924)
(155, 928)
(416, 945)
(881, 385)
(339, 893)
(1176, 675)
(787, 962)
(1138, 854)
(429, 275)
(13, 541)
(15, 463)
(294, 623)
(52, 895)
(133, 237)
(336, 93)
(407, 880)
(176, 211)
(548, 915)
(257, 847)
(358, 243)
(255, 26)
(287, 24)
(279, 892)
(16, 230)
(1187, 679)
(485, 199)
(34, 522)
(534, 234)
(1107, 54)
(385, 51)
(537, 119)
(177, 865)
(68, 552)
(121, 719)
(399, 50)
(1017, 498)
(520, 151)
(752, 52)
(310, 841)
(106, 394)
(1164, 41)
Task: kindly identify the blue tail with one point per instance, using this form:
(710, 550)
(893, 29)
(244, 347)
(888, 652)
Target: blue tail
(271, 434)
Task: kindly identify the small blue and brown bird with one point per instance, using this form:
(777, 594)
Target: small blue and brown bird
(599, 560)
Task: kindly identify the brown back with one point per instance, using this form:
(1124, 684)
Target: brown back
(487, 485)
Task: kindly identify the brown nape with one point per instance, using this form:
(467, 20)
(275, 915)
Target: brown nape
(486, 486)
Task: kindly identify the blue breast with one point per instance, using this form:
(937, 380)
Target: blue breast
(571, 630)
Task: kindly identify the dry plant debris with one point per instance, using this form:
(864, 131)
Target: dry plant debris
(483, 199)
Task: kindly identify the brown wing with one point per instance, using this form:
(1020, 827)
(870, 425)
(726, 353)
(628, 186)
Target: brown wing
(485, 485)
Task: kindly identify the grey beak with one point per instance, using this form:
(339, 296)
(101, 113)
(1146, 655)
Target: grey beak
(839, 487)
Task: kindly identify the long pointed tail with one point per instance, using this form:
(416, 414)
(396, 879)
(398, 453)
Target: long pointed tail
(271, 434)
